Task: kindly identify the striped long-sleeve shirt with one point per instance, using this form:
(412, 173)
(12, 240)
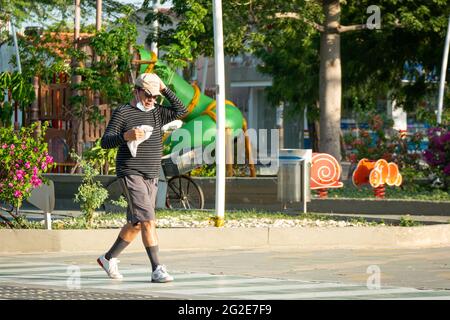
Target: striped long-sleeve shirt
(149, 152)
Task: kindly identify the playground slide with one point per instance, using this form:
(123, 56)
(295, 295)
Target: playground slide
(202, 109)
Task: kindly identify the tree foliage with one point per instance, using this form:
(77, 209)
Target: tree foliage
(114, 47)
(39, 11)
(21, 91)
(408, 46)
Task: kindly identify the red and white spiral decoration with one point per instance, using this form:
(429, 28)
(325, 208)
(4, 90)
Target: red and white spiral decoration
(325, 172)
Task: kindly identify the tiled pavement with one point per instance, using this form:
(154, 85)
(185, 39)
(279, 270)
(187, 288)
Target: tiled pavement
(49, 281)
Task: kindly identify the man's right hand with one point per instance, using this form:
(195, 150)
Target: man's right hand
(134, 134)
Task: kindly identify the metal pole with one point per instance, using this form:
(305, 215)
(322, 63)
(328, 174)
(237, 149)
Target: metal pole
(204, 74)
(16, 46)
(155, 25)
(219, 61)
(280, 124)
(443, 74)
(19, 69)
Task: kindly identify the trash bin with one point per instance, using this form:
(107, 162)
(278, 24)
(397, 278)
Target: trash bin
(294, 176)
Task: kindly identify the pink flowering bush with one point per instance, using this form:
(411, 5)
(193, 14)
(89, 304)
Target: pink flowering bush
(23, 160)
(437, 156)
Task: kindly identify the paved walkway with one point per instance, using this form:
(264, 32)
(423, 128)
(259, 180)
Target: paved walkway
(261, 274)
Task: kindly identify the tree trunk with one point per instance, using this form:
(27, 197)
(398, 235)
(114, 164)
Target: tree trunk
(76, 79)
(330, 81)
(35, 108)
(342, 144)
(316, 140)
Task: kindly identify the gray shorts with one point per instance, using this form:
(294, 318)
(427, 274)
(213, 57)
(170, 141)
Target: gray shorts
(141, 197)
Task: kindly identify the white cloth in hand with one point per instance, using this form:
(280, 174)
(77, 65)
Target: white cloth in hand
(133, 145)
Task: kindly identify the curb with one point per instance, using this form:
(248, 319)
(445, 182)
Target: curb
(33, 241)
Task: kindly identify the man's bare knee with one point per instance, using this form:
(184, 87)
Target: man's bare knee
(147, 225)
(136, 227)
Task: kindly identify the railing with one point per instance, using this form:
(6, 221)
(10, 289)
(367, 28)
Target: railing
(54, 102)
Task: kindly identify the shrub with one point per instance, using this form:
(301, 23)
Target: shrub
(437, 156)
(23, 160)
(375, 144)
(91, 194)
(102, 159)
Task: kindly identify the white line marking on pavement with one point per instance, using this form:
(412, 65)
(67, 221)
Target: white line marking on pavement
(212, 281)
(37, 270)
(12, 265)
(268, 287)
(330, 294)
(447, 297)
(139, 279)
(218, 282)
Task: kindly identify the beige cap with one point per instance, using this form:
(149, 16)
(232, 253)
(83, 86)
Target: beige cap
(150, 82)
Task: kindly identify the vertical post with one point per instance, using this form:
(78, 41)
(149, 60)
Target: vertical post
(35, 104)
(229, 147)
(48, 220)
(305, 142)
(76, 79)
(4, 64)
(98, 16)
(35, 107)
(219, 61)
(280, 124)
(16, 46)
(252, 112)
(19, 69)
(249, 153)
(155, 25)
(305, 183)
(76, 31)
(98, 27)
(204, 74)
(443, 74)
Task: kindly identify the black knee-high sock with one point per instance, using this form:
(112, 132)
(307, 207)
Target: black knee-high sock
(117, 248)
(152, 253)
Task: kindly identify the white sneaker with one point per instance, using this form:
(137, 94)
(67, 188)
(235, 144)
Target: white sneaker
(110, 266)
(160, 275)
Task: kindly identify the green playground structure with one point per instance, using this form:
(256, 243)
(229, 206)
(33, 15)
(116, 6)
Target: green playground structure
(201, 108)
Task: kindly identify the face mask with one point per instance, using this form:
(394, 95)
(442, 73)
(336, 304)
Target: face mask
(141, 107)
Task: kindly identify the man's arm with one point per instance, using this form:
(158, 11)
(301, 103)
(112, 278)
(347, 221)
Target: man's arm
(113, 136)
(176, 109)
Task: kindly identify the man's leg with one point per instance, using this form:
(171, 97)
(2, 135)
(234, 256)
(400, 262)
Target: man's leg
(108, 261)
(150, 241)
(126, 236)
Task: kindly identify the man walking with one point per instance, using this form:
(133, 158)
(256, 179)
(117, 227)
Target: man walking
(136, 129)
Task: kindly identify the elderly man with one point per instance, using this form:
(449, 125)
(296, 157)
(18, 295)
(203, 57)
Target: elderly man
(136, 129)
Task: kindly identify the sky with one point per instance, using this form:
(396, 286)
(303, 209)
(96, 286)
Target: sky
(91, 18)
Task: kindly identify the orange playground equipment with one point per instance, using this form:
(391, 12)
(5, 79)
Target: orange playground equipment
(325, 173)
(377, 174)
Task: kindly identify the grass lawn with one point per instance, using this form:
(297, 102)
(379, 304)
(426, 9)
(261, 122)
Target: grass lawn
(350, 192)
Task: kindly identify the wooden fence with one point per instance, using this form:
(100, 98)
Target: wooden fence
(54, 107)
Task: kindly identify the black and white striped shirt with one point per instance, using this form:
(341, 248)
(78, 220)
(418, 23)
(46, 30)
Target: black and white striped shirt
(149, 152)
